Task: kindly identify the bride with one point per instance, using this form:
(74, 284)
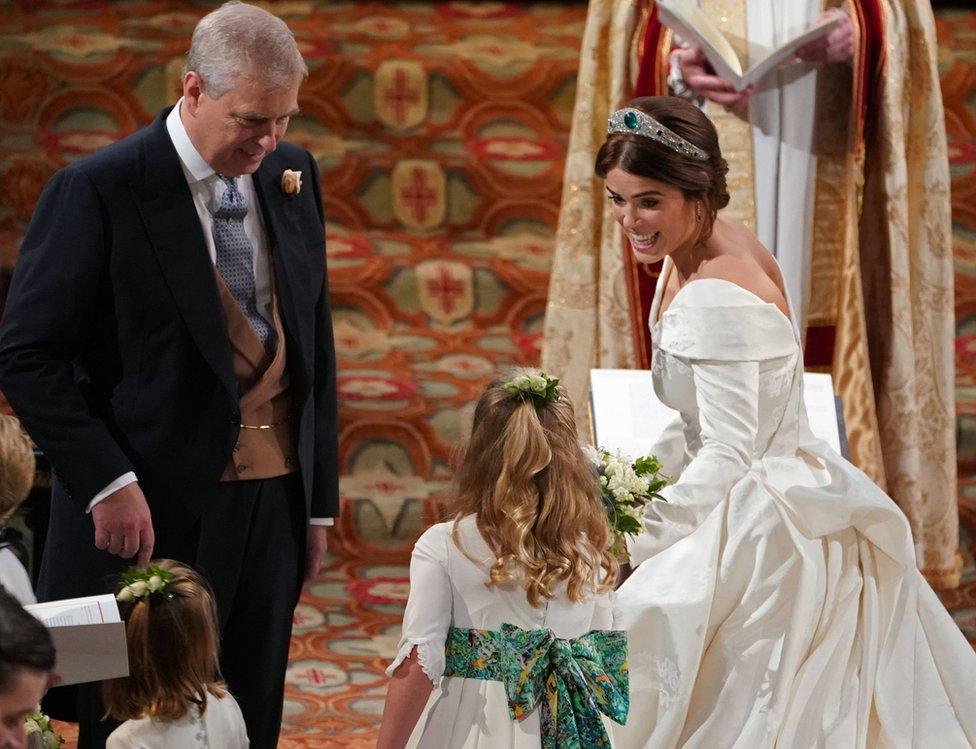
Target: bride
(776, 602)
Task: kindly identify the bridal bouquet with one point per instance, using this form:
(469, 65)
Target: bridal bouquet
(40, 734)
(626, 487)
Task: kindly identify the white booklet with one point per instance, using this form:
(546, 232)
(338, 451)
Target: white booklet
(628, 416)
(692, 24)
(89, 636)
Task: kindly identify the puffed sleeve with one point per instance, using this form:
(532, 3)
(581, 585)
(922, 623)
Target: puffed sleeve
(603, 611)
(429, 606)
(723, 347)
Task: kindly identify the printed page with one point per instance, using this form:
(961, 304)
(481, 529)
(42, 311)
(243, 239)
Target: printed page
(692, 24)
(786, 52)
(88, 635)
(72, 611)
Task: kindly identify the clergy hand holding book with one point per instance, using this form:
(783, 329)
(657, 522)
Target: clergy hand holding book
(706, 65)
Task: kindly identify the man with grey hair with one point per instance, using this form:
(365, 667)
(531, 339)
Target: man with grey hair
(168, 343)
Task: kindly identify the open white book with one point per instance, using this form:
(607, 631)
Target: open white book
(89, 636)
(627, 415)
(693, 25)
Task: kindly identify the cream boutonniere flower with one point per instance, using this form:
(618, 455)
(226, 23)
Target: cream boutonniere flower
(291, 182)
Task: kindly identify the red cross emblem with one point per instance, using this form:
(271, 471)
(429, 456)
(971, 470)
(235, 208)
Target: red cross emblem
(446, 289)
(400, 95)
(418, 195)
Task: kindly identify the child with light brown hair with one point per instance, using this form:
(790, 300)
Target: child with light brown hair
(509, 612)
(173, 696)
(16, 479)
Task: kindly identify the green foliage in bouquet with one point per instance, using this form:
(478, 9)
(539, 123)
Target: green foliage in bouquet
(626, 487)
(40, 733)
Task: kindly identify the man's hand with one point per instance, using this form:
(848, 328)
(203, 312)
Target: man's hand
(699, 77)
(123, 525)
(318, 544)
(837, 45)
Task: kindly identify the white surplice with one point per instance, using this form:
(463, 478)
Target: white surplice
(784, 162)
(777, 602)
(782, 113)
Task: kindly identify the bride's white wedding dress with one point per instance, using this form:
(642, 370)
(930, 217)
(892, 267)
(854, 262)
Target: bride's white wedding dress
(777, 602)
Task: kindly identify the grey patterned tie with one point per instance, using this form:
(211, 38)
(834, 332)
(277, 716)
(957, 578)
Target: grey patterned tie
(235, 258)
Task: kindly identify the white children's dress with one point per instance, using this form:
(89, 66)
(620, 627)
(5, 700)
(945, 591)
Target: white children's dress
(220, 727)
(14, 579)
(777, 602)
(448, 589)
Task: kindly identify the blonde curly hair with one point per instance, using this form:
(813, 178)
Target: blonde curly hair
(524, 477)
(16, 465)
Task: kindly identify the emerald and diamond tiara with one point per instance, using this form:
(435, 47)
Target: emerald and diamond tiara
(636, 122)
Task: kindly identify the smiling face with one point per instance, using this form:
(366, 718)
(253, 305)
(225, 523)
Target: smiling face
(234, 132)
(657, 217)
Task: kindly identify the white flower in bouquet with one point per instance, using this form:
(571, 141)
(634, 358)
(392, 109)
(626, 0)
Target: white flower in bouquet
(626, 486)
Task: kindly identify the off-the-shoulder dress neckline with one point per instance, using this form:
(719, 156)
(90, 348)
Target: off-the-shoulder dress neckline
(657, 314)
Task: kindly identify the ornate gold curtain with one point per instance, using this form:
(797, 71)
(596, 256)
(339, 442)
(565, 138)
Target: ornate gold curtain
(907, 272)
(883, 274)
(588, 316)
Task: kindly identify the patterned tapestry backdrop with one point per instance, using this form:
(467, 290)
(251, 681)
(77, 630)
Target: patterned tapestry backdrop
(439, 129)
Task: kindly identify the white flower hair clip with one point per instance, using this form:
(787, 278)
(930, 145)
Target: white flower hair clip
(138, 583)
(538, 386)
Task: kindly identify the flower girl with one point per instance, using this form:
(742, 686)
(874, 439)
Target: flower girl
(509, 612)
(173, 696)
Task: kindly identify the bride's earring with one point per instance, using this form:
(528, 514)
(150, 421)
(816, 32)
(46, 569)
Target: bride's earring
(698, 212)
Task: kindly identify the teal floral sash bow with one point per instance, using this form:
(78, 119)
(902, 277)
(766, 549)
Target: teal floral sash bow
(571, 681)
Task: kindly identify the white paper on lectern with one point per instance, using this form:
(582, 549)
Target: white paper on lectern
(628, 416)
(822, 410)
(88, 635)
(625, 412)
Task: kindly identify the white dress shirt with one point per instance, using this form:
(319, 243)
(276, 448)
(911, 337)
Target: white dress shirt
(207, 189)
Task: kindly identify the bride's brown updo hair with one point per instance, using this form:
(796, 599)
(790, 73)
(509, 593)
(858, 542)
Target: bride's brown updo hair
(645, 157)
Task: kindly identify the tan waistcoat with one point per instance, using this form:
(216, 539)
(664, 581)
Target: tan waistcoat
(266, 445)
